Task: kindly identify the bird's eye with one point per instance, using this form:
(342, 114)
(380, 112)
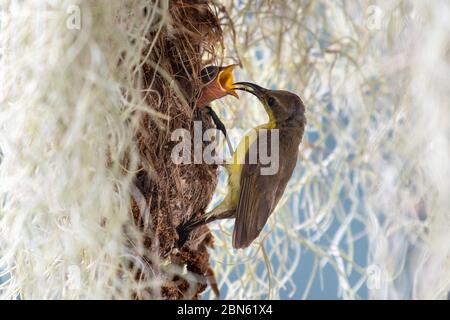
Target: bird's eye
(271, 101)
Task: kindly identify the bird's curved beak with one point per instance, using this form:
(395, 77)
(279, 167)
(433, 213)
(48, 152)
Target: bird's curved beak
(251, 88)
(221, 86)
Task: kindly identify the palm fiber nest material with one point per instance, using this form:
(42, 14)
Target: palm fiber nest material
(174, 193)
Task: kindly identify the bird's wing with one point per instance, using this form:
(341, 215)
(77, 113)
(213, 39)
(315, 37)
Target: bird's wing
(258, 197)
(252, 211)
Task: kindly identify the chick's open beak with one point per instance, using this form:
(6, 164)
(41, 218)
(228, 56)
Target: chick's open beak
(219, 87)
(225, 80)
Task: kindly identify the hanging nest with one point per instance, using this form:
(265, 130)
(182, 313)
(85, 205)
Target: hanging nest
(178, 50)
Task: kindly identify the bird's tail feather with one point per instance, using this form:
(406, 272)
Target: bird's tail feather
(185, 229)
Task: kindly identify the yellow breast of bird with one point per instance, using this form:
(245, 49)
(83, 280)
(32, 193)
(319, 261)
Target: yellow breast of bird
(235, 167)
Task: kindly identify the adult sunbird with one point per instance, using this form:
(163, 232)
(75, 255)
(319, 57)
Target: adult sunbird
(253, 196)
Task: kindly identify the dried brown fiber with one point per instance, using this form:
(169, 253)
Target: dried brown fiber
(174, 193)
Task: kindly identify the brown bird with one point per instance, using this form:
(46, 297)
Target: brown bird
(252, 196)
